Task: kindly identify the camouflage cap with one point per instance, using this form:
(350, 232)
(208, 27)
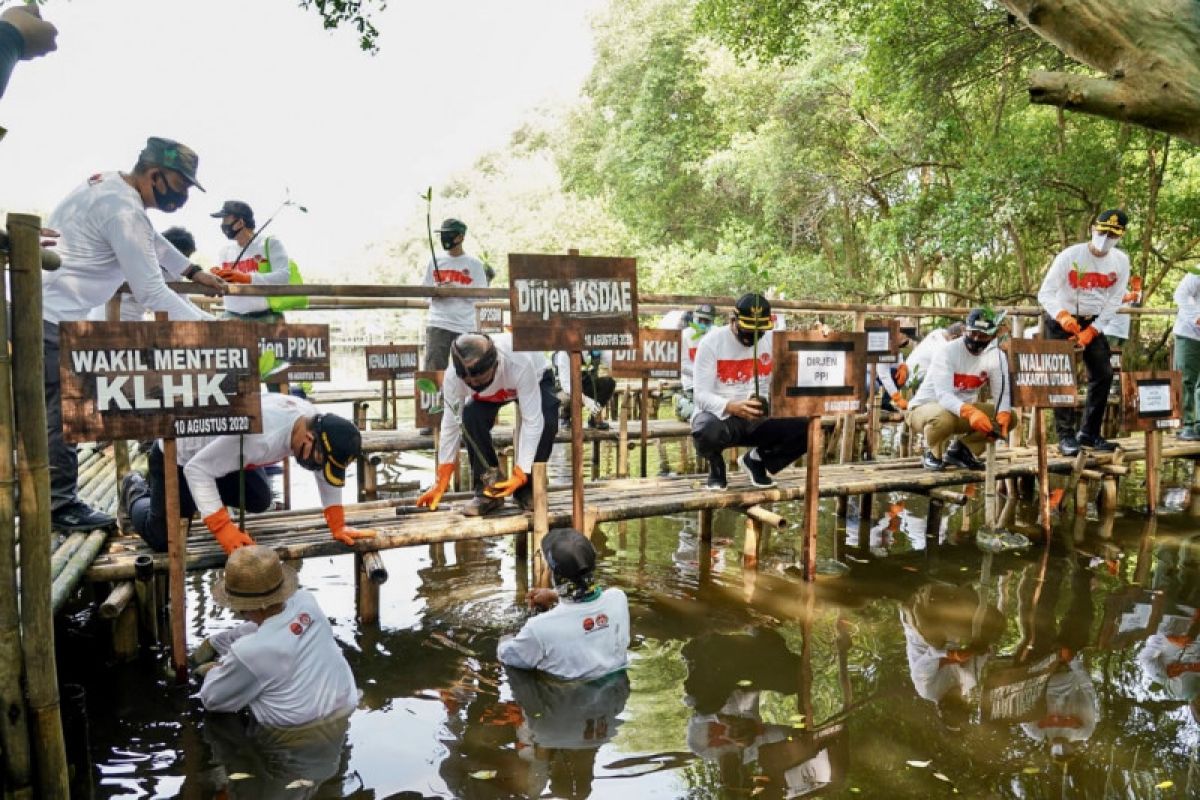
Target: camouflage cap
(170, 154)
(452, 225)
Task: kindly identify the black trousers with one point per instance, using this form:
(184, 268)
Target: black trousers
(479, 417)
(600, 389)
(1099, 382)
(779, 441)
(149, 514)
(64, 463)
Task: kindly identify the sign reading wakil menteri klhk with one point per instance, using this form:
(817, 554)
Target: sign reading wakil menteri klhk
(657, 356)
(301, 351)
(817, 375)
(173, 379)
(387, 362)
(1042, 372)
(573, 302)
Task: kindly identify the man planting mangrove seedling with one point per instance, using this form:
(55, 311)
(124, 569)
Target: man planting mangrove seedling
(485, 375)
(1079, 297)
(215, 471)
(914, 368)
(947, 404)
(732, 381)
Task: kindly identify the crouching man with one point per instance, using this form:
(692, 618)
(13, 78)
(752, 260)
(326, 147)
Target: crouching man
(212, 468)
(730, 399)
(584, 632)
(946, 406)
(283, 662)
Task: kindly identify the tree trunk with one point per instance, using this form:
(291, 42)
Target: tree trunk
(1148, 50)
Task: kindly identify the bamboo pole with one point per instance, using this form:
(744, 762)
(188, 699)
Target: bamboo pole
(706, 525)
(75, 569)
(1043, 470)
(766, 517)
(1153, 455)
(375, 568)
(541, 522)
(755, 534)
(645, 412)
(366, 593)
(117, 600)
(125, 633)
(989, 487)
(576, 439)
(29, 402)
(812, 486)
(623, 438)
(63, 554)
(147, 597)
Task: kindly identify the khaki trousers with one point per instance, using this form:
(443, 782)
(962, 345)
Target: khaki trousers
(937, 425)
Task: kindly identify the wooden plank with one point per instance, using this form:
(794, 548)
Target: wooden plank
(572, 302)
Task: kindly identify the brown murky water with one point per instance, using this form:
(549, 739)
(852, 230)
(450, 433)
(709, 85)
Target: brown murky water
(927, 670)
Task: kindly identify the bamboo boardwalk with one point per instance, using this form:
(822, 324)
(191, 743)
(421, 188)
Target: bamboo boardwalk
(302, 534)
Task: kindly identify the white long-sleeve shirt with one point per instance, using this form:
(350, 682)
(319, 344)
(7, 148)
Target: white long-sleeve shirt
(517, 378)
(1072, 708)
(956, 377)
(1187, 300)
(250, 264)
(288, 671)
(689, 343)
(455, 272)
(206, 458)
(725, 370)
(573, 641)
(107, 240)
(562, 367)
(1085, 285)
(918, 360)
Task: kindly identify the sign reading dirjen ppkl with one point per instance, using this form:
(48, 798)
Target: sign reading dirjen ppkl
(573, 302)
(173, 379)
(301, 352)
(391, 361)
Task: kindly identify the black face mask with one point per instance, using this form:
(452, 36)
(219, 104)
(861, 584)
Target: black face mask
(747, 338)
(168, 200)
(448, 239)
(229, 231)
(976, 346)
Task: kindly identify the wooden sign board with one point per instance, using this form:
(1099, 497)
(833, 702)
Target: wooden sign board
(817, 375)
(387, 362)
(489, 319)
(424, 402)
(657, 356)
(883, 341)
(302, 351)
(572, 302)
(1042, 373)
(143, 380)
(1151, 400)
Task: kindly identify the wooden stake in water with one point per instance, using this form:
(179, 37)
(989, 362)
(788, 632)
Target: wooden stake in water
(541, 523)
(1039, 443)
(812, 498)
(645, 409)
(576, 439)
(989, 487)
(1153, 455)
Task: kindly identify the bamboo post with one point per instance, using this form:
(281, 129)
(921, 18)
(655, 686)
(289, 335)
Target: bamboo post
(812, 499)
(685, 456)
(14, 722)
(117, 600)
(1043, 464)
(284, 388)
(29, 402)
(766, 517)
(576, 440)
(623, 438)
(147, 596)
(375, 568)
(1153, 456)
(1193, 493)
(125, 633)
(384, 402)
(366, 593)
(645, 411)
(868, 447)
(989, 486)
(706, 525)
(541, 522)
(395, 403)
(755, 534)
(596, 460)
(933, 524)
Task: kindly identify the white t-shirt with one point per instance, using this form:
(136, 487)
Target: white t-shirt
(932, 677)
(289, 671)
(569, 715)
(1072, 709)
(249, 264)
(573, 641)
(107, 240)
(918, 360)
(1187, 299)
(724, 370)
(1085, 285)
(956, 377)
(206, 458)
(454, 313)
(131, 310)
(1160, 657)
(689, 343)
(517, 378)
(562, 367)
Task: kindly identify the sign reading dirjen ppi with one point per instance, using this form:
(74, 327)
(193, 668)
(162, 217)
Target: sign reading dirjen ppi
(158, 379)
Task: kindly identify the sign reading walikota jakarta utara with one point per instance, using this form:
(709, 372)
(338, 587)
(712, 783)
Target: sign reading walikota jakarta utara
(1042, 372)
(817, 375)
(657, 356)
(1151, 400)
(427, 411)
(573, 302)
(489, 319)
(171, 379)
(301, 351)
(387, 362)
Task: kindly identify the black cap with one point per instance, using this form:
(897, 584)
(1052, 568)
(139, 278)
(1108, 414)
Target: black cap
(754, 312)
(569, 554)
(170, 154)
(705, 310)
(1112, 221)
(452, 225)
(234, 208)
(340, 442)
(181, 239)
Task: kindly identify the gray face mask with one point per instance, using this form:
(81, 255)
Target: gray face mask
(1102, 243)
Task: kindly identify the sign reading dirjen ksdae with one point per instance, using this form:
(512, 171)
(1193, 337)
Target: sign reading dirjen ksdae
(159, 379)
(573, 302)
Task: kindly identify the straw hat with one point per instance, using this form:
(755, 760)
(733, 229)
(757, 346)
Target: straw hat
(254, 579)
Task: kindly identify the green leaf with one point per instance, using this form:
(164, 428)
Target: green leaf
(427, 386)
(266, 363)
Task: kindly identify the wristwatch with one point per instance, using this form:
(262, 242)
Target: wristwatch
(191, 271)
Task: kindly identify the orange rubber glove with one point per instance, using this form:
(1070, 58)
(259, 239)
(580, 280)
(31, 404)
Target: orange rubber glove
(1067, 322)
(899, 402)
(1135, 290)
(433, 495)
(901, 375)
(336, 517)
(1085, 336)
(230, 275)
(1005, 419)
(504, 488)
(979, 420)
(228, 535)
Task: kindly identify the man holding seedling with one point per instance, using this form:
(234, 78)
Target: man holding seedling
(486, 374)
(450, 317)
